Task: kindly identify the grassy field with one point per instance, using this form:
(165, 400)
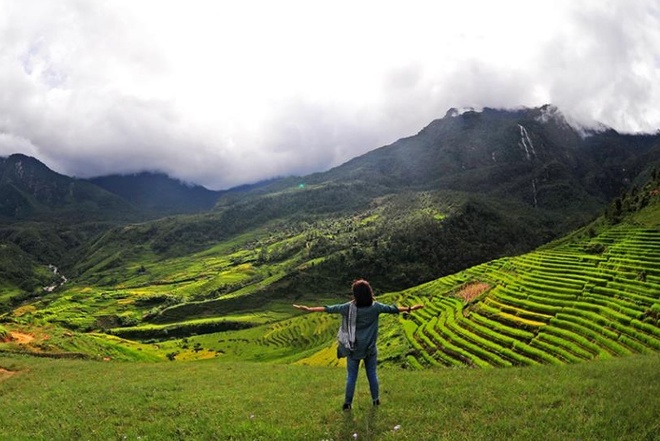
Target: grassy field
(576, 323)
(45, 399)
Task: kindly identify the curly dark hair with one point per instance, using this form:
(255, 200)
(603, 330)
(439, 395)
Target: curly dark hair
(362, 292)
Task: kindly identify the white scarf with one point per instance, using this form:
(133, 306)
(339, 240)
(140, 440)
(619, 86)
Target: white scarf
(346, 334)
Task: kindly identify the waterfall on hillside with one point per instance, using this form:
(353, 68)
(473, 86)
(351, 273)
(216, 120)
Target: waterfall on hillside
(526, 143)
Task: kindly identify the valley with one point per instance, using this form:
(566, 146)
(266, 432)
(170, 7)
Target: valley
(219, 284)
(534, 249)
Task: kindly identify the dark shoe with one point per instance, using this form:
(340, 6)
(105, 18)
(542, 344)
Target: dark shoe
(376, 402)
(346, 406)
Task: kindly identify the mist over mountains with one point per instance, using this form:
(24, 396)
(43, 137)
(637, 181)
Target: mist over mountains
(158, 193)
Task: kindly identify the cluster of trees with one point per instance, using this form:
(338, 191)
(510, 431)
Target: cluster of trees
(634, 199)
(421, 247)
(179, 330)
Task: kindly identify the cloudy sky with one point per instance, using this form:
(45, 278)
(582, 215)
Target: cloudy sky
(222, 93)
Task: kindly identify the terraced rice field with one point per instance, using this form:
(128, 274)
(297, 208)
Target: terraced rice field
(575, 302)
(309, 332)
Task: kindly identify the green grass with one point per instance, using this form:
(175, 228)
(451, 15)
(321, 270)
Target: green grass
(73, 399)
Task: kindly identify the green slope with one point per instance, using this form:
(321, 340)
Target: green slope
(71, 399)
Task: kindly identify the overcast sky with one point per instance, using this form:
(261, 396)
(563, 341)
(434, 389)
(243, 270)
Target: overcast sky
(222, 93)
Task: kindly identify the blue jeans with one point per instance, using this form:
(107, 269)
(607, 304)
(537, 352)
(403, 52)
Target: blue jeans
(352, 368)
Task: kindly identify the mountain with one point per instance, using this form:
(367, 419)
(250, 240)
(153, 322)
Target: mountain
(532, 155)
(468, 188)
(503, 181)
(29, 190)
(158, 193)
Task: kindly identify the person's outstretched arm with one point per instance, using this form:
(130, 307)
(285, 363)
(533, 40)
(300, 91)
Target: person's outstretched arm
(310, 308)
(410, 308)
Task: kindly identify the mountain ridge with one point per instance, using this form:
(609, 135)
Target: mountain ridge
(29, 189)
(534, 155)
(464, 150)
(158, 193)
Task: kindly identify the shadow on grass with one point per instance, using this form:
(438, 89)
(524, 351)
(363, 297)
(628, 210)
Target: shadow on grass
(360, 425)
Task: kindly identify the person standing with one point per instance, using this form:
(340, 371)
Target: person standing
(365, 334)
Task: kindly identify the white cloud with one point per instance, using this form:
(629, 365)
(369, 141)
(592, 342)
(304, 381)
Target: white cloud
(223, 93)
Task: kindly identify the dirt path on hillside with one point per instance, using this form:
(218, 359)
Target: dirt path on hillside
(4, 374)
(21, 338)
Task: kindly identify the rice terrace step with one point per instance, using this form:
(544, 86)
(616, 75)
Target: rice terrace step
(554, 306)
